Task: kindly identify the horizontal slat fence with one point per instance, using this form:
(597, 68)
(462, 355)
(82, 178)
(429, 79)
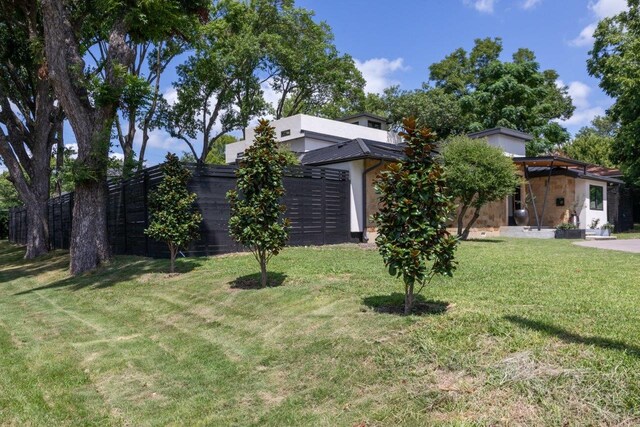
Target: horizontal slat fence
(317, 203)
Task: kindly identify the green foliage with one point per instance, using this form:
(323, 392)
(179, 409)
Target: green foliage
(615, 60)
(477, 173)
(566, 226)
(256, 212)
(432, 107)
(8, 198)
(594, 144)
(173, 218)
(515, 94)
(216, 155)
(412, 233)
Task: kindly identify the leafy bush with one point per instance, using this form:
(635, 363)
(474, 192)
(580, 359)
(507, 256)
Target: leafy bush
(256, 212)
(174, 219)
(566, 226)
(412, 221)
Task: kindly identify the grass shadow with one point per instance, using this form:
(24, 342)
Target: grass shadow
(394, 304)
(481, 240)
(119, 270)
(252, 281)
(570, 337)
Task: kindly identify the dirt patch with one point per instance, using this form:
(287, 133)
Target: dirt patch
(523, 367)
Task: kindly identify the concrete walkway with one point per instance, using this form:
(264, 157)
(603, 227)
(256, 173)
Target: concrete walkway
(631, 245)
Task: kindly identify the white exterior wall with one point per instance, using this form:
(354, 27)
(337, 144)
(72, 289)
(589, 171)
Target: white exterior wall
(512, 147)
(355, 168)
(584, 212)
(298, 124)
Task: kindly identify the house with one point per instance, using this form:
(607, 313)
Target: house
(363, 145)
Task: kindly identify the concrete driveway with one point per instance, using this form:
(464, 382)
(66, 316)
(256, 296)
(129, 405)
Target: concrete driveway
(631, 245)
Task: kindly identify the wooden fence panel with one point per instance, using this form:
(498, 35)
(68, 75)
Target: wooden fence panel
(317, 203)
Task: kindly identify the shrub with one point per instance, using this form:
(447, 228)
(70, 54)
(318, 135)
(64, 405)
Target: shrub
(256, 212)
(412, 234)
(174, 219)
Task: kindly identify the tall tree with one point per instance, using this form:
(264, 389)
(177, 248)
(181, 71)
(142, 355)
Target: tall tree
(308, 73)
(30, 119)
(514, 94)
(412, 221)
(90, 94)
(615, 60)
(141, 97)
(218, 87)
(594, 144)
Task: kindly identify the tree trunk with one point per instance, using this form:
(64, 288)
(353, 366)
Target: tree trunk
(173, 251)
(474, 218)
(37, 229)
(89, 239)
(463, 212)
(408, 298)
(263, 272)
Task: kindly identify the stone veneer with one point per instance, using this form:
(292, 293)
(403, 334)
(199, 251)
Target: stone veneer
(559, 186)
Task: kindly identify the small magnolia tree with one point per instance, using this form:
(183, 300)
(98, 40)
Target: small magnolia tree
(412, 234)
(256, 212)
(477, 174)
(174, 219)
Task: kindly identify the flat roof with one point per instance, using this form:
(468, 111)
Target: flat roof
(368, 115)
(501, 131)
(548, 161)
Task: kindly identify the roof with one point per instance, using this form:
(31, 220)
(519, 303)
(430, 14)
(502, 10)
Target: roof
(354, 149)
(549, 161)
(501, 131)
(603, 171)
(541, 171)
(368, 115)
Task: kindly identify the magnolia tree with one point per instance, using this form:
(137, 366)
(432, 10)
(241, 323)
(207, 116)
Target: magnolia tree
(256, 212)
(174, 219)
(412, 221)
(477, 174)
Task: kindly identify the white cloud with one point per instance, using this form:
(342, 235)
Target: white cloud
(600, 9)
(585, 38)
(606, 8)
(171, 95)
(530, 4)
(485, 6)
(585, 112)
(377, 71)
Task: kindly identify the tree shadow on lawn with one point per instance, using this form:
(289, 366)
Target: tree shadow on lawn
(14, 266)
(572, 338)
(252, 281)
(394, 304)
(480, 240)
(117, 271)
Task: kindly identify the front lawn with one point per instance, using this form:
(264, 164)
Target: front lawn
(528, 332)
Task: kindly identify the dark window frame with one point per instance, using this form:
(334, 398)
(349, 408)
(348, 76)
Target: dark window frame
(594, 192)
(374, 124)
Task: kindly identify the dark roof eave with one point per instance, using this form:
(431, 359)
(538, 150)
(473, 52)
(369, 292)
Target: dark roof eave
(351, 159)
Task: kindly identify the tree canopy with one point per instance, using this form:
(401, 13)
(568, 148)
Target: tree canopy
(474, 90)
(594, 144)
(477, 173)
(615, 60)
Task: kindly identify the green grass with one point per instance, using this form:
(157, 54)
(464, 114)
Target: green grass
(535, 333)
(634, 233)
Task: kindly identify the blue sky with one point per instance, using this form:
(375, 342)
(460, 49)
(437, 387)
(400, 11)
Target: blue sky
(395, 42)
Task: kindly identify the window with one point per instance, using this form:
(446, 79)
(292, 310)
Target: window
(375, 125)
(285, 133)
(596, 198)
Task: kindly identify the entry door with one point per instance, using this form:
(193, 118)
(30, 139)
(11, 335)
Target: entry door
(515, 202)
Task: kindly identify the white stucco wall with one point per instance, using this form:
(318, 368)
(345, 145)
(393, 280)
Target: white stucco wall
(355, 168)
(585, 213)
(513, 147)
(297, 125)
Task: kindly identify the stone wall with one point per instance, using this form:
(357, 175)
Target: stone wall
(559, 187)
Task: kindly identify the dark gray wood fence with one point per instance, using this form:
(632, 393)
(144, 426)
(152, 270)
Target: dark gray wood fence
(317, 201)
